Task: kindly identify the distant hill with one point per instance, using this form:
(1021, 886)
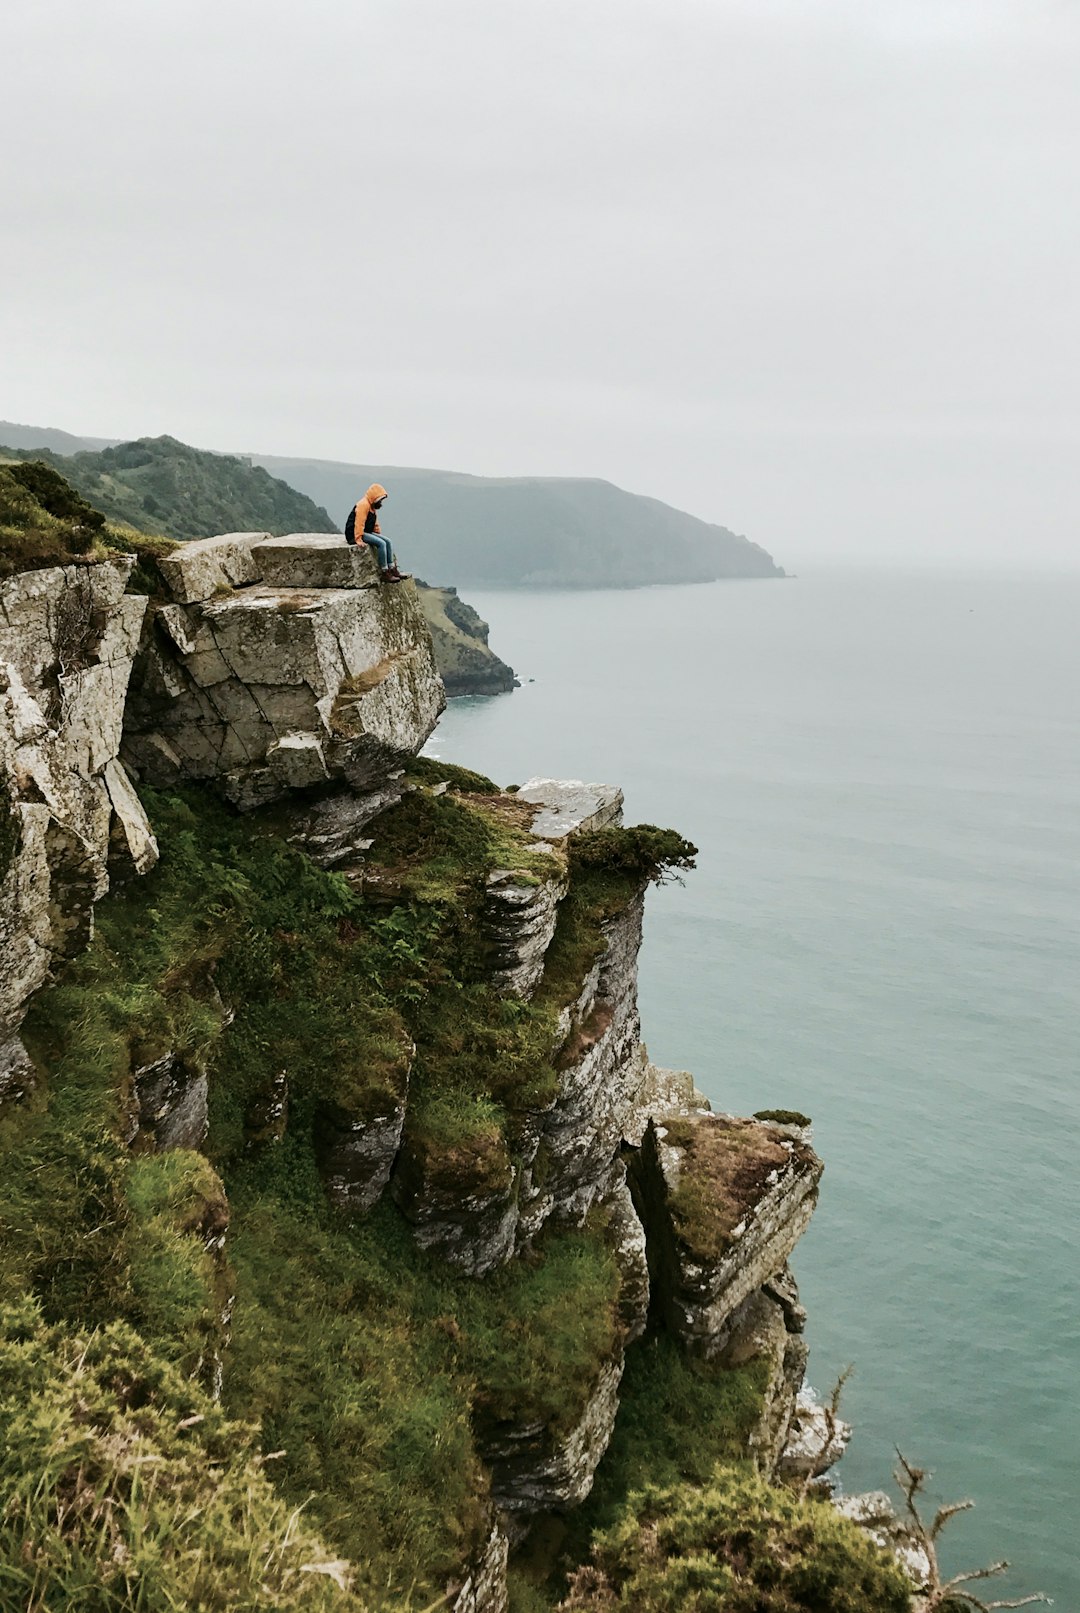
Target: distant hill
(530, 531)
(161, 485)
(470, 530)
(61, 442)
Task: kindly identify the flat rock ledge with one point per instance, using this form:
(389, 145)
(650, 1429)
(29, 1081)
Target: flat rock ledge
(570, 807)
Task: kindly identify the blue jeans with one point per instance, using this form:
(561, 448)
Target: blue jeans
(383, 552)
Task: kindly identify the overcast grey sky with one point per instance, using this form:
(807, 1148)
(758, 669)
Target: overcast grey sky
(805, 267)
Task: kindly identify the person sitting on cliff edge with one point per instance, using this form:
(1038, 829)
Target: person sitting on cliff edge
(363, 526)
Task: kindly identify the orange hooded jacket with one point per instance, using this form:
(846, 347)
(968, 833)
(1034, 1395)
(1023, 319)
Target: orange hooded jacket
(363, 509)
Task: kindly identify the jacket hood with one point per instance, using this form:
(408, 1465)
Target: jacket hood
(375, 492)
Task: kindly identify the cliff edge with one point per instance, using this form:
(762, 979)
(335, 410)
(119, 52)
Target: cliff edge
(336, 1174)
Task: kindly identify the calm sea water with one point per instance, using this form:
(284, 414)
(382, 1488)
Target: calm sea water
(882, 772)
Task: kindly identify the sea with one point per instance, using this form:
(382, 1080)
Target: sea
(882, 773)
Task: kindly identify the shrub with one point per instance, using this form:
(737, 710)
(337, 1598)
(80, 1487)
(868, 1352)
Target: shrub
(738, 1545)
(644, 851)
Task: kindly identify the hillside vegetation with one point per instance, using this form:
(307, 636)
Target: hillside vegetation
(161, 485)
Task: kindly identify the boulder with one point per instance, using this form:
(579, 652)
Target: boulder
(267, 690)
(316, 560)
(207, 566)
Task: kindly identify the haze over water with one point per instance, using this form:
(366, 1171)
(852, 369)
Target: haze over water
(882, 771)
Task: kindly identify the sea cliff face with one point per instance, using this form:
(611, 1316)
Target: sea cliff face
(348, 1096)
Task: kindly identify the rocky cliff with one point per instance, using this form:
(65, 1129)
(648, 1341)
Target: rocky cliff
(323, 1100)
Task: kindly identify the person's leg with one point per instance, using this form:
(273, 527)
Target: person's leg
(382, 549)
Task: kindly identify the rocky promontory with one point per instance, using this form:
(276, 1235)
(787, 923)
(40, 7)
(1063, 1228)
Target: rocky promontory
(336, 1174)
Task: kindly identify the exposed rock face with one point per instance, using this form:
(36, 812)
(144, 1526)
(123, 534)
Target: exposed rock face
(533, 1472)
(724, 1202)
(357, 1156)
(270, 689)
(333, 828)
(520, 919)
(171, 1098)
(484, 1590)
(68, 636)
(462, 1203)
(816, 1440)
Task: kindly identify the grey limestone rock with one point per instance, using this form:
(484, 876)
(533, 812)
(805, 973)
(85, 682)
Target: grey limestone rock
(316, 560)
(759, 1332)
(332, 828)
(874, 1512)
(461, 1202)
(270, 690)
(134, 847)
(534, 1469)
(519, 920)
(815, 1440)
(206, 566)
(484, 1589)
(171, 1103)
(569, 807)
(627, 1237)
(357, 1156)
(662, 1092)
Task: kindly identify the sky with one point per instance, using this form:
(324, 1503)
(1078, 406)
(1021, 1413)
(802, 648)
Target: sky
(808, 268)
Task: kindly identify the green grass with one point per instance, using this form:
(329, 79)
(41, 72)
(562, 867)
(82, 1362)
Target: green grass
(374, 1366)
(127, 1490)
(44, 521)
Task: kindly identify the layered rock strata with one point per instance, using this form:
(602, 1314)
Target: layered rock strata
(68, 815)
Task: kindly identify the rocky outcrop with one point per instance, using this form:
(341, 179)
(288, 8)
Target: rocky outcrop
(567, 806)
(521, 912)
(356, 1155)
(535, 1471)
(68, 636)
(484, 1589)
(724, 1202)
(467, 663)
(267, 688)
